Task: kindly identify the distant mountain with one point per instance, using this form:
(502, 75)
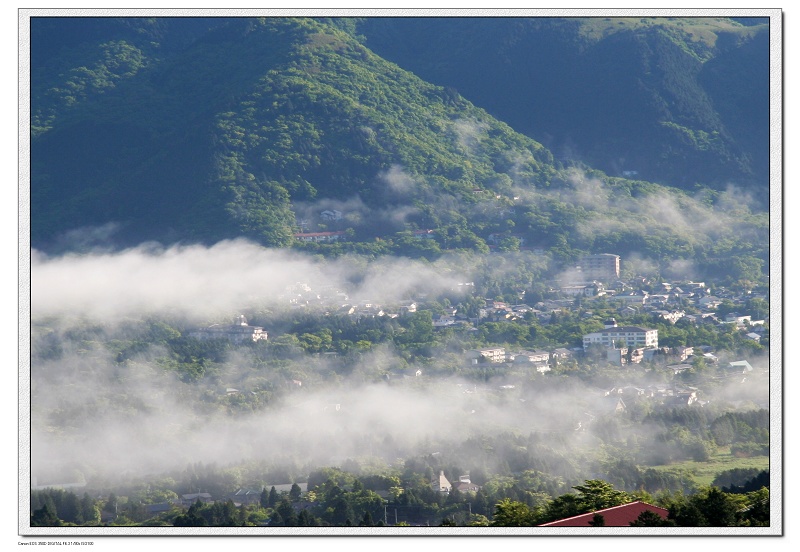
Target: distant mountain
(679, 101)
(203, 129)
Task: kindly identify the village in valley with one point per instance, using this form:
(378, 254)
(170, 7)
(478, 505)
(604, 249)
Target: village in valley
(631, 364)
(592, 291)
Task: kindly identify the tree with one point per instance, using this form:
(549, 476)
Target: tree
(294, 492)
(564, 506)
(366, 521)
(648, 518)
(597, 495)
(70, 509)
(478, 520)
(192, 518)
(699, 364)
(273, 497)
(111, 504)
(229, 515)
(512, 513)
(757, 513)
(508, 243)
(718, 508)
(757, 308)
(45, 517)
(454, 497)
(341, 512)
(89, 510)
(598, 521)
(286, 512)
(687, 515)
(305, 519)
(419, 328)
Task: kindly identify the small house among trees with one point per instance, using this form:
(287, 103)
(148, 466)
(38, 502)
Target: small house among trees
(441, 483)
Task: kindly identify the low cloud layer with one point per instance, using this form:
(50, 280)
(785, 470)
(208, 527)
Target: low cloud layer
(201, 281)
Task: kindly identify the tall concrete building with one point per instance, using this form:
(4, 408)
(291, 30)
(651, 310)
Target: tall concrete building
(604, 267)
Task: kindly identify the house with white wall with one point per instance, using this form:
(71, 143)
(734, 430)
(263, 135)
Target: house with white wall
(614, 336)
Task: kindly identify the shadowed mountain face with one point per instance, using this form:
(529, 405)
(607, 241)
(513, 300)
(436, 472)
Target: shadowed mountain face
(679, 101)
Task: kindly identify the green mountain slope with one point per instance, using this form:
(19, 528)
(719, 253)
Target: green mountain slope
(680, 101)
(224, 128)
(250, 116)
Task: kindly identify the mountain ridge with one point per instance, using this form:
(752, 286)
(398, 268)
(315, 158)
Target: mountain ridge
(250, 127)
(651, 84)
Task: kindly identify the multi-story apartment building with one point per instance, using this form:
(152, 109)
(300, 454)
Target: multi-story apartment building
(491, 354)
(604, 267)
(615, 336)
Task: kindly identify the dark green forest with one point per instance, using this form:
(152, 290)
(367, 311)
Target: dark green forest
(345, 500)
(672, 99)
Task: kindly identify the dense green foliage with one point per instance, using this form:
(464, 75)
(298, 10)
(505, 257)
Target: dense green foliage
(678, 100)
(201, 131)
(255, 113)
(328, 504)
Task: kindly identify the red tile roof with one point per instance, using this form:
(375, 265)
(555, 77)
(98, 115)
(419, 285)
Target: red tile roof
(616, 516)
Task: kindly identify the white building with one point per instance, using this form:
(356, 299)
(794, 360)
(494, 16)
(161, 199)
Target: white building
(577, 290)
(531, 356)
(604, 266)
(441, 483)
(632, 336)
(492, 354)
(632, 298)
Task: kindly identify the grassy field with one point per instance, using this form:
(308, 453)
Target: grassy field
(704, 472)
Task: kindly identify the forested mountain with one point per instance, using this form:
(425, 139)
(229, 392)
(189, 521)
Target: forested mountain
(203, 129)
(679, 101)
(215, 140)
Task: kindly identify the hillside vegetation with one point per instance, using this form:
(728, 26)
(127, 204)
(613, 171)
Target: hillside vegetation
(198, 130)
(680, 101)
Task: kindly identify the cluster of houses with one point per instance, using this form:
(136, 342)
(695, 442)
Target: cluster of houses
(596, 275)
(539, 360)
(332, 300)
(673, 394)
(666, 302)
(619, 345)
